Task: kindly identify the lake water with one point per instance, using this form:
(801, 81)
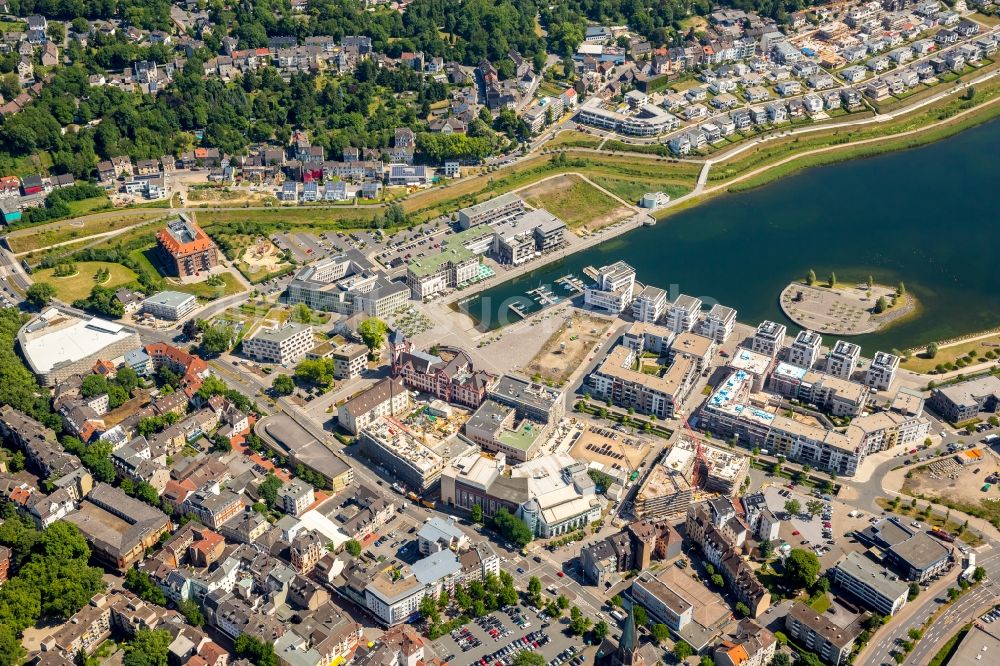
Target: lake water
(927, 216)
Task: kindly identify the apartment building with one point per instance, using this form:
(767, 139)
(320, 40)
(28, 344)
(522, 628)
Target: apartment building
(282, 345)
(347, 284)
(296, 497)
(682, 314)
(386, 398)
(805, 350)
(448, 375)
(613, 288)
(871, 584)
(616, 380)
(457, 263)
(718, 323)
(813, 631)
(649, 305)
(842, 360)
(187, 247)
(752, 645)
(834, 395)
(882, 371)
(768, 339)
(493, 210)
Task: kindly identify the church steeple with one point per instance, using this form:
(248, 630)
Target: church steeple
(628, 646)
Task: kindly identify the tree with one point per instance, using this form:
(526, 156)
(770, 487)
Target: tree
(682, 650)
(978, 574)
(659, 632)
(428, 609)
(953, 593)
(528, 658)
(353, 547)
(283, 385)
(373, 332)
(815, 507)
(932, 350)
(881, 305)
(148, 648)
(257, 651)
(535, 591)
(616, 601)
(780, 659)
(781, 638)
(600, 631)
(801, 568)
(93, 385)
(832, 280)
(302, 314)
(511, 527)
(706, 661)
(766, 548)
(793, 507)
(742, 609)
(641, 618)
(216, 339)
(191, 612)
(563, 602)
(40, 294)
(901, 289)
(222, 443)
(579, 623)
(477, 514)
(811, 277)
(718, 580)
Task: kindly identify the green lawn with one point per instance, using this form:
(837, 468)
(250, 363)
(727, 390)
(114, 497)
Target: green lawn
(633, 190)
(920, 363)
(44, 235)
(84, 206)
(571, 199)
(573, 139)
(69, 289)
(822, 603)
(208, 292)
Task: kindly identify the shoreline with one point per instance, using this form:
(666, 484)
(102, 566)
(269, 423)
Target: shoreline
(876, 323)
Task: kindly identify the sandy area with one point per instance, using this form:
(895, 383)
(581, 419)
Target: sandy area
(262, 257)
(566, 348)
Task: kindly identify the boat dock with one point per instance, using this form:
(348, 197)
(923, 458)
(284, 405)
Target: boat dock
(543, 296)
(518, 309)
(590, 272)
(572, 283)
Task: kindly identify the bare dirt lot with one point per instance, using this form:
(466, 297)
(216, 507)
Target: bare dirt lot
(567, 348)
(947, 478)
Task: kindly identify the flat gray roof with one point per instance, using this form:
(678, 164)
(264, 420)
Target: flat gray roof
(170, 299)
(883, 581)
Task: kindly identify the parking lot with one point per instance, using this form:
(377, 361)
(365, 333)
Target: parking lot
(499, 636)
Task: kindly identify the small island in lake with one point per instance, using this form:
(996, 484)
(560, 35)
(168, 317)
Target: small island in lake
(842, 308)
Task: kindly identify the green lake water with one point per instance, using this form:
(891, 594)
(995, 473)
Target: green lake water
(928, 216)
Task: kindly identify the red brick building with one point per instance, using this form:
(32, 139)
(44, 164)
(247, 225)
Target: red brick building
(187, 247)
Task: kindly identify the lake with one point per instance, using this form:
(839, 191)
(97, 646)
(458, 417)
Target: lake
(924, 216)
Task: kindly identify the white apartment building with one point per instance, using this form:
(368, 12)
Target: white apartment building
(283, 345)
(768, 338)
(842, 360)
(683, 313)
(719, 323)
(882, 371)
(613, 291)
(649, 305)
(804, 352)
(296, 497)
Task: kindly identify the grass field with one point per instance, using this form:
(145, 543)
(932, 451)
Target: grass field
(575, 201)
(208, 292)
(988, 20)
(573, 139)
(85, 206)
(633, 190)
(44, 235)
(945, 355)
(340, 218)
(70, 288)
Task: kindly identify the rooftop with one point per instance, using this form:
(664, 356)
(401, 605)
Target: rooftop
(875, 576)
(170, 299)
(279, 334)
(58, 337)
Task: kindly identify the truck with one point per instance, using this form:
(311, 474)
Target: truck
(941, 534)
(618, 615)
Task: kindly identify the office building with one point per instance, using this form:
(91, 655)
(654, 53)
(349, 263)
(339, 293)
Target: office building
(768, 339)
(882, 371)
(682, 314)
(438, 534)
(520, 238)
(870, 584)
(448, 375)
(649, 305)
(633, 549)
(842, 360)
(386, 398)
(169, 305)
(283, 345)
(912, 553)
(456, 264)
(718, 323)
(498, 429)
(187, 248)
(613, 288)
(816, 633)
(804, 352)
(59, 343)
(532, 400)
(392, 445)
(347, 284)
(967, 400)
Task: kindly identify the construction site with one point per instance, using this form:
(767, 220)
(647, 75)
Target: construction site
(690, 468)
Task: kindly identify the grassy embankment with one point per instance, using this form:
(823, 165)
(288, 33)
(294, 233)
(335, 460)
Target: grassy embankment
(79, 284)
(973, 351)
(50, 233)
